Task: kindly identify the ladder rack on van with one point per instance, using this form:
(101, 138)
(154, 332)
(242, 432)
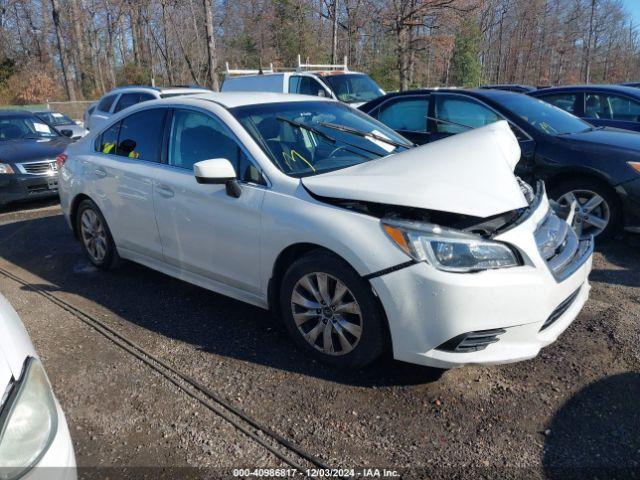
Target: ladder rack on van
(319, 66)
(230, 72)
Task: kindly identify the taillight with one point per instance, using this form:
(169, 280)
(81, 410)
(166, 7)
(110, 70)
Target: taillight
(60, 159)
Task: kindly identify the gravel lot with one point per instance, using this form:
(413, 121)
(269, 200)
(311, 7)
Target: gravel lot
(573, 412)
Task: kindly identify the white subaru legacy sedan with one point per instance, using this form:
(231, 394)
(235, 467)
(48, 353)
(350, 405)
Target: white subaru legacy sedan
(34, 438)
(316, 211)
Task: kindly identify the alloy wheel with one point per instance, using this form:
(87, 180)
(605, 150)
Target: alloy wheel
(326, 313)
(93, 234)
(592, 212)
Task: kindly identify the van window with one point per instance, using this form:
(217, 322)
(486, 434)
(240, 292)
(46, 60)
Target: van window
(305, 86)
(106, 102)
(140, 135)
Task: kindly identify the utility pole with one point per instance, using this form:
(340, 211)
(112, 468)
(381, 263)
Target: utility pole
(334, 45)
(211, 46)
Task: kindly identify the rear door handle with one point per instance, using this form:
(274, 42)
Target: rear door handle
(100, 173)
(165, 191)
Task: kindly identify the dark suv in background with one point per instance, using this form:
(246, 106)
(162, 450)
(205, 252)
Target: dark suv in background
(596, 170)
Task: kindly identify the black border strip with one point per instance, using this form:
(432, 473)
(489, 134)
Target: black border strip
(395, 268)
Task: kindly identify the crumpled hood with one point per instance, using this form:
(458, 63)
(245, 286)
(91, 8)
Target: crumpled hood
(470, 173)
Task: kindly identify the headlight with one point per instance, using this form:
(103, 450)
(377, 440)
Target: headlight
(28, 422)
(635, 166)
(5, 168)
(449, 250)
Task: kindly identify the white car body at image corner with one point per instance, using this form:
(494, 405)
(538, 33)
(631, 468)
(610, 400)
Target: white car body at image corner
(58, 461)
(469, 174)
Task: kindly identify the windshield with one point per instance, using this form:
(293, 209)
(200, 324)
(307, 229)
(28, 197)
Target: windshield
(55, 118)
(353, 88)
(21, 127)
(307, 138)
(543, 116)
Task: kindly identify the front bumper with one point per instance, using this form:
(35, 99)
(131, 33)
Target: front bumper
(17, 187)
(59, 463)
(629, 193)
(427, 307)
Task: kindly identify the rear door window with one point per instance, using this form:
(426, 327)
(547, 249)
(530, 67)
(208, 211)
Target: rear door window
(106, 143)
(106, 102)
(140, 135)
(459, 114)
(409, 115)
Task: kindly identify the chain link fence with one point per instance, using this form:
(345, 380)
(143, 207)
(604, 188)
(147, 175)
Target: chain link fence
(74, 110)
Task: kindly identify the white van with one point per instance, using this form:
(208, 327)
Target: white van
(332, 81)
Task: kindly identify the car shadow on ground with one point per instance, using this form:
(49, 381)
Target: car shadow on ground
(623, 252)
(596, 433)
(212, 323)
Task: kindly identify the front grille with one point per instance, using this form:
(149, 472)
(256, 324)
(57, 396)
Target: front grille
(472, 341)
(559, 311)
(560, 247)
(46, 167)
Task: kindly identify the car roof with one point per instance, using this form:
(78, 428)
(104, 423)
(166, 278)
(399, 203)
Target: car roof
(241, 99)
(159, 90)
(14, 113)
(595, 87)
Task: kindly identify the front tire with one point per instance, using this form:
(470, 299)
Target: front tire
(331, 312)
(598, 208)
(95, 236)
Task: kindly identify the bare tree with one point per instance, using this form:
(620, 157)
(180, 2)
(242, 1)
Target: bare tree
(62, 51)
(211, 46)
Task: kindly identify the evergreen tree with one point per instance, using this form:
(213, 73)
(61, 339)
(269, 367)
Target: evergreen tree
(466, 70)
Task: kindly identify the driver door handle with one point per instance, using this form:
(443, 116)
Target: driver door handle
(165, 191)
(100, 173)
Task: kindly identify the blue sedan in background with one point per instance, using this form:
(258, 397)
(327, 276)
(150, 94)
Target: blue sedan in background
(601, 105)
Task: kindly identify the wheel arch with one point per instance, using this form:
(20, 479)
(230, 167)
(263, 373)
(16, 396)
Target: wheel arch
(298, 250)
(73, 211)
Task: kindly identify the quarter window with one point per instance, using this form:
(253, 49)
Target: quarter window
(406, 115)
(196, 136)
(106, 102)
(460, 114)
(565, 101)
(141, 135)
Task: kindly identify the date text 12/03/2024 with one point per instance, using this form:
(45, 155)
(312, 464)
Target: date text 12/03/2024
(317, 472)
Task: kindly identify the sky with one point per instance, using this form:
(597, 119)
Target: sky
(633, 6)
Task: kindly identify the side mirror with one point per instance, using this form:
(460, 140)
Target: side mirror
(218, 171)
(67, 133)
(322, 93)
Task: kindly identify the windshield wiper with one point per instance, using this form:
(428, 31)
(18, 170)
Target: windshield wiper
(360, 133)
(307, 127)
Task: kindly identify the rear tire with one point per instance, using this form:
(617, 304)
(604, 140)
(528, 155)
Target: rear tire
(95, 236)
(331, 312)
(607, 213)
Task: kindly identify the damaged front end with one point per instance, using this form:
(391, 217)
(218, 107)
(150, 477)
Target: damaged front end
(449, 241)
